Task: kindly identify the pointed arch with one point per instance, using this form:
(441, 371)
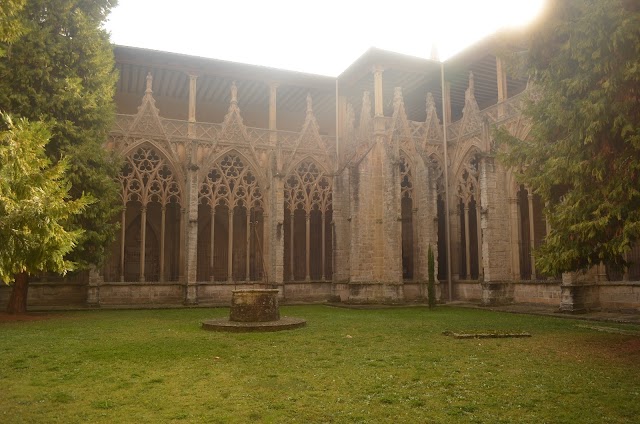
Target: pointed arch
(308, 187)
(148, 180)
(148, 175)
(308, 190)
(408, 209)
(229, 246)
(467, 192)
(406, 175)
(249, 162)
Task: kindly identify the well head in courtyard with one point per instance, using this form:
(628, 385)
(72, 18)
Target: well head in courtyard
(254, 310)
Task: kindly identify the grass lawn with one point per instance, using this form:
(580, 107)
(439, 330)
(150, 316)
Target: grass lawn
(389, 365)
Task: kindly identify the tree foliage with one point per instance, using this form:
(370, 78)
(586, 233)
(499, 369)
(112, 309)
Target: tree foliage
(11, 27)
(582, 155)
(35, 208)
(61, 70)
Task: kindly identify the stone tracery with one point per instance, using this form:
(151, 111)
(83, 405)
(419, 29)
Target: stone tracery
(231, 188)
(468, 194)
(147, 178)
(308, 190)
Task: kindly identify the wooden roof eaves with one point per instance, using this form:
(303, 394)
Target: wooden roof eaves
(196, 65)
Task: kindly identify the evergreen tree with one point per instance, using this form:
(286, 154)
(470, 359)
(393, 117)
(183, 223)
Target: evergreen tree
(582, 155)
(10, 23)
(61, 71)
(35, 209)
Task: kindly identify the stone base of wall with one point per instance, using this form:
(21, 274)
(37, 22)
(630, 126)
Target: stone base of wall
(496, 293)
(620, 296)
(306, 291)
(375, 292)
(43, 294)
(470, 291)
(539, 292)
(151, 293)
(607, 296)
(415, 291)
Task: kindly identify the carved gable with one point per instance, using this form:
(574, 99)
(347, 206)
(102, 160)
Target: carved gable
(233, 129)
(400, 130)
(147, 120)
(471, 118)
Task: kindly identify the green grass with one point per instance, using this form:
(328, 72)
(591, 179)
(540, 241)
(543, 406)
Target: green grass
(396, 366)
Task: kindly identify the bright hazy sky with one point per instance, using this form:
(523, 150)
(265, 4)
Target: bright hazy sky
(321, 36)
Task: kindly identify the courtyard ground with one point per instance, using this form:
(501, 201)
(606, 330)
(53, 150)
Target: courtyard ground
(347, 365)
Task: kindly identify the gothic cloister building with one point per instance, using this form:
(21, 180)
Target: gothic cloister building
(326, 188)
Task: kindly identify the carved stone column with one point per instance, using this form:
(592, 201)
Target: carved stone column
(123, 233)
(479, 238)
(324, 246)
(192, 97)
(467, 242)
(377, 91)
(456, 238)
(277, 231)
(212, 244)
(192, 206)
(192, 229)
(307, 250)
(163, 221)
(230, 234)
(273, 91)
(247, 276)
(501, 76)
(291, 249)
(143, 241)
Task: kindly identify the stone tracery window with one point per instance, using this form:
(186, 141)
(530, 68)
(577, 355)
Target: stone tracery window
(468, 191)
(146, 177)
(308, 199)
(149, 190)
(307, 188)
(406, 179)
(407, 213)
(233, 195)
(231, 183)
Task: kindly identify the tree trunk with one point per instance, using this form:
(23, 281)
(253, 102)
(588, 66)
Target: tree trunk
(18, 300)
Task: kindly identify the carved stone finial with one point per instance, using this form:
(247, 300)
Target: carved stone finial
(234, 93)
(366, 103)
(431, 104)
(309, 103)
(471, 91)
(149, 83)
(397, 96)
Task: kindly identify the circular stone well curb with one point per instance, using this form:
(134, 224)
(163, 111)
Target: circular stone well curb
(224, 324)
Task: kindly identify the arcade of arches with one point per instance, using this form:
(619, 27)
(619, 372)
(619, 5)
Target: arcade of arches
(326, 188)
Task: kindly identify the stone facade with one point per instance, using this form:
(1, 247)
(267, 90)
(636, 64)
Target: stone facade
(327, 189)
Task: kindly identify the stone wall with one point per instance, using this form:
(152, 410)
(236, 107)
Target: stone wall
(50, 294)
(623, 296)
(539, 292)
(119, 294)
(467, 291)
